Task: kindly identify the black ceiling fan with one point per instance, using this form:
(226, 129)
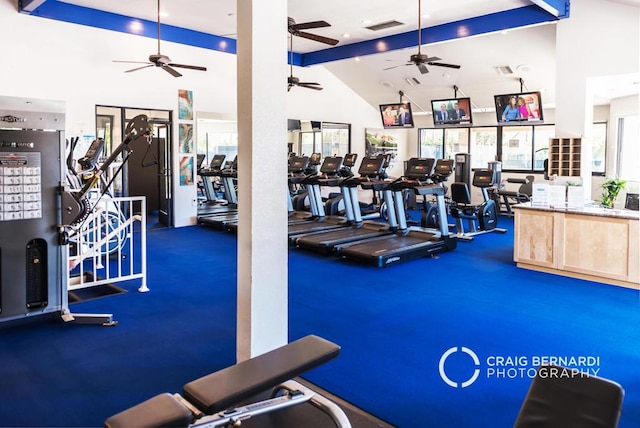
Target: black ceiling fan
(163, 61)
(294, 29)
(294, 81)
(421, 60)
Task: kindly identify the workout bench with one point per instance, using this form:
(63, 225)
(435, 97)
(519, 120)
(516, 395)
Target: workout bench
(213, 400)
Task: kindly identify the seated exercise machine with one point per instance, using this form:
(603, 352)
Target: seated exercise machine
(484, 214)
(508, 198)
(219, 399)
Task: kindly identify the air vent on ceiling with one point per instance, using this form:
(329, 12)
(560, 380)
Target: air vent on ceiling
(505, 69)
(383, 25)
(412, 81)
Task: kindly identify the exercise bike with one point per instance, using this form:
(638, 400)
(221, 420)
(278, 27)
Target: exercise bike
(485, 215)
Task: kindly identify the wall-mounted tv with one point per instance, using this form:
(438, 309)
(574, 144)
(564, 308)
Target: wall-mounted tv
(398, 115)
(523, 107)
(451, 112)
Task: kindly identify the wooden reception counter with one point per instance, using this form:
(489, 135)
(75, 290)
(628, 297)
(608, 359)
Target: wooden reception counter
(592, 243)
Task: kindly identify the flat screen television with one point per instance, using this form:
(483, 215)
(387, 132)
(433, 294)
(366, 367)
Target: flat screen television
(398, 115)
(452, 112)
(522, 107)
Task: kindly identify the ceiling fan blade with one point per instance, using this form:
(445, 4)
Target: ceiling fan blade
(310, 86)
(171, 71)
(396, 66)
(441, 64)
(309, 83)
(430, 59)
(309, 25)
(139, 68)
(191, 67)
(318, 38)
(423, 68)
(131, 62)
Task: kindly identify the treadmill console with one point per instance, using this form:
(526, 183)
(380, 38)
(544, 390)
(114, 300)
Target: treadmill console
(443, 169)
(216, 162)
(371, 166)
(297, 164)
(419, 168)
(350, 159)
(331, 165)
(315, 159)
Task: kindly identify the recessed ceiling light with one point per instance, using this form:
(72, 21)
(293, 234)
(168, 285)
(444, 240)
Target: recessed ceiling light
(386, 84)
(164, 14)
(356, 58)
(523, 68)
(446, 75)
(346, 35)
(365, 21)
(426, 15)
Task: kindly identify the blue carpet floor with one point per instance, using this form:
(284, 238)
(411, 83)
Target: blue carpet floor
(394, 326)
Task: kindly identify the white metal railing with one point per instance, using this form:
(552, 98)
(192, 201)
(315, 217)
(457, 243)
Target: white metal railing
(110, 245)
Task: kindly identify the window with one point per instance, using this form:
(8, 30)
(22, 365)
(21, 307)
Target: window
(483, 146)
(457, 141)
(430, 143)
(599, 148)
(336, 139)
(517, 145)
(628, 148)
(541, 136)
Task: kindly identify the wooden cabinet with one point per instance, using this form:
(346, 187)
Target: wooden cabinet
(565, 156)
(594, 244)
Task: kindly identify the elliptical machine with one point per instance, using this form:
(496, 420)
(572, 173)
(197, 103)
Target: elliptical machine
(484, 214)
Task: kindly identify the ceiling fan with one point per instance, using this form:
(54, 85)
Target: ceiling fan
(294, 81)
(162, 61)
(421, 60)
(294, 29)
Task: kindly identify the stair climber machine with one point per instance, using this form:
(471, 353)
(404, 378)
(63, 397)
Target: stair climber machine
(222, 219)
(369, 173)
(37, 211)
(327, 176)
(407, 242)
(485, 215)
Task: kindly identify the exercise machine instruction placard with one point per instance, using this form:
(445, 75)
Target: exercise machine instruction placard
(20, 186)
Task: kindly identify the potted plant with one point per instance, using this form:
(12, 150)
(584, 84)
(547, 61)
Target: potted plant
(611, 188)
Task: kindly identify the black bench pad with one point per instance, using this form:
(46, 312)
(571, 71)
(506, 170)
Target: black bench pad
(229, 386)
(163, 410)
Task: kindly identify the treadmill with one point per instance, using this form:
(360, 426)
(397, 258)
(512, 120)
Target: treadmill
(408, 242)
(328, 176)
(370, 171)
(209, 175)
(222, 219)
(298, 167)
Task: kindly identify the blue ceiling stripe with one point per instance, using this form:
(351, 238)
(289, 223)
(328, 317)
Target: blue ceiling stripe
(559, 8)
(498, 21)
(110, 21)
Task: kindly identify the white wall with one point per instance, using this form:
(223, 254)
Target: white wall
(49, 59)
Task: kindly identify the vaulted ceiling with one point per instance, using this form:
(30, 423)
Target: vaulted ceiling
(500, 45)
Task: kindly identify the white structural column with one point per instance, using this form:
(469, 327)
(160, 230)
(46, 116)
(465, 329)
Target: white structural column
(594, 28)
(262, 320)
